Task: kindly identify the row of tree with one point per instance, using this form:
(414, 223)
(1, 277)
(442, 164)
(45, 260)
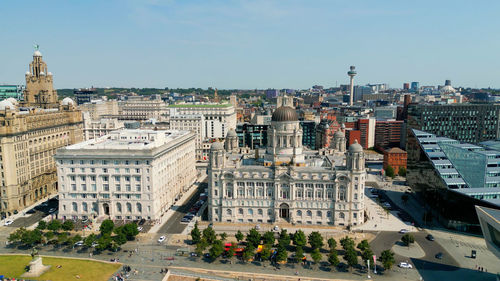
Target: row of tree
(389, 171)
(275, 249)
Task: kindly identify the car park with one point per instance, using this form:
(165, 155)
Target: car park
(430, 237)
(405, 265)
(161, 239)
(8, 222)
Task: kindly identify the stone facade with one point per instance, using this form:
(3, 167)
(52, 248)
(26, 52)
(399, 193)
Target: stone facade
(288, 183)
(128, 174)
(29, 138)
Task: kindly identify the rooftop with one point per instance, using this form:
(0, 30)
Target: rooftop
(200, 105)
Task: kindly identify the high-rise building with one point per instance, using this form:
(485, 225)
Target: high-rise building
(284, 185)
(11, 91)
(252, 136)
(29, 137)
(126, 175)
(415, 86)
(272, 93)
(351, 73)
(472, 123)
(406, 86)
(194, 123)
(98, 109)
(142, 108)
(388, 133)
(367, 128)
(309, 133)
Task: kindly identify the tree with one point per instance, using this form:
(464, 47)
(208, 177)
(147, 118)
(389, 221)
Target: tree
(299, 253)
(223, 236)
(54, 225)
(367, 254)
(201, 246)
(316, 256)
(332, 244)
(363, 245)
(195, 234)
(216, 250)
(281, 254)
(209, 235)
(239, 236)
(16, 235)
(107, 227)
(62, 238)
(129, 230)
(120, 238)
(253, 237)
(231, 252)
(387, 259)
(333, 258)
(49, 235)
(42, 225)
(89, 240)
(265, 254)
(315, 240)
(389, 171)
(299, 238)
(351, 257)
(402, 172)
(347, 243)
(268, 238)
(248, 253)
(68, 225)
(31, 237)
(104, 242)
(284, 238)
(408, 239)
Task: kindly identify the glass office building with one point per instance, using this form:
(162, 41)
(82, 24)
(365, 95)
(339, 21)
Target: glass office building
(11, 91)
(452, 177)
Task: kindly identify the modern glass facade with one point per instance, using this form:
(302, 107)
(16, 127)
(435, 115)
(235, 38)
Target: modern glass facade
(252, 135)
(11, 91)
(453, 177)
(309, 134)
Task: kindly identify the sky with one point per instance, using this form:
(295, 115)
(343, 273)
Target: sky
(252, 44)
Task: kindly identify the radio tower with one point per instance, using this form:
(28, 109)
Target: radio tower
(351, 74)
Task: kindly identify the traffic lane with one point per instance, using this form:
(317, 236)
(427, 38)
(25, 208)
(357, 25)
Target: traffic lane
(29, 220)
(387, 239)
(174, 225)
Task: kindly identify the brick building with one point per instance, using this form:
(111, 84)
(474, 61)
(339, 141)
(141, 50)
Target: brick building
(388, 133)
(396, 158)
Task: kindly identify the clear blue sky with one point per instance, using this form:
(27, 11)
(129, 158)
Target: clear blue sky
(252, 44)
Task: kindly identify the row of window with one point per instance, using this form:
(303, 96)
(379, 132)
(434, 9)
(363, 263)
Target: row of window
(105, 187)
(104, 162)
(106, 178)
(106, 170)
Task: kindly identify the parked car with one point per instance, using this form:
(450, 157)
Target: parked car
(31, 211)
(79, 244)
(85, 220)
(8, 222)
(405, 265)
(439, 255)
(257, 227)
(45, 204)
(193, 254)
(161, 239)
(276, 228)
(52, 210)
(473, 254)
(186, 220)
(430, 237)
(403, 231)
(94, 244)
(139, 228)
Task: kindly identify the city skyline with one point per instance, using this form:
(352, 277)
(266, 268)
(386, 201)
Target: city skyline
(248, 45)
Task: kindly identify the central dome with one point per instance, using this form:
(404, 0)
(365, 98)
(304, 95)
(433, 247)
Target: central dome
(285, 113)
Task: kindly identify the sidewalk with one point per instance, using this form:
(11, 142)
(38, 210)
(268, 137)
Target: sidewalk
(180, 202)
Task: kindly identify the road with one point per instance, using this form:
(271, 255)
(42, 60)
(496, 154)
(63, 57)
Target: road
(174, 225)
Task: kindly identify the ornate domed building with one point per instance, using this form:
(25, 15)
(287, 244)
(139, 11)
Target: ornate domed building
(288, 183)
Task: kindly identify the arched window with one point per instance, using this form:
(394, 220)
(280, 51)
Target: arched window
(250, 212)
(259, 211)
(329, 194)
(75, 207)
(129, 207)
(139, 207)
(329, 214)
(342, 193)
(85, 207)
(319, 214)
(341, 215)
(228, 212)
(309, 213)
(119, 207)
(240, 211)
(299, 213)
(309, 193)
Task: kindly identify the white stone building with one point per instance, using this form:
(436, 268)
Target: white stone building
(98, 108)
(142, 108)
(93, 129)
(219, 118)
(193, 123)
(288, 183)
(128, 174)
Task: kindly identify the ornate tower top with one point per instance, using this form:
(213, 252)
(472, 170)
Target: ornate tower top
(39, 84)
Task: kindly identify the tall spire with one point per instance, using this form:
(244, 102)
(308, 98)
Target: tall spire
(39, 90)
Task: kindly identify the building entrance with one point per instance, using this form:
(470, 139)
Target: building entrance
(285, 211)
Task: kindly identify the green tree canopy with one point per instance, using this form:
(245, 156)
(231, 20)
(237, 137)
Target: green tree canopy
(54, 225)
(351, 257)
(268, 238)
(209, 235)
(68, 225)
(299, 253)
(265, 254)
(42, 225)
(107, 227)
(284, 238)
(253, 237)
(315, 240)
(195, 234)
(408, 239)
(367, 254)
(248, 253)
(316, 255)
(129, 230)
(363, 245)
(239, 236)
(104, 242)
(387, 259)
(347, 243)
(333, 258)
(299, 238)
(89, 240)
(281, 254)
(216, 250)
(223, 236)
(332, 244)
(389, 171)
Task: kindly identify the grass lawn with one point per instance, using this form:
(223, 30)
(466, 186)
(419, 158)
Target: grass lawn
(13, 266)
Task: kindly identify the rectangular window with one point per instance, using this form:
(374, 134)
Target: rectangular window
(127, 178)
(128, 187)
(105, 162)
(117, 187)
(94, 187)
(137, 178)
(92, 170)
(84, 187)
(73, 187)
(105, 178)
(138, 188)
(137, 170)
(117, 178)
(104, 170)
(105, 187)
